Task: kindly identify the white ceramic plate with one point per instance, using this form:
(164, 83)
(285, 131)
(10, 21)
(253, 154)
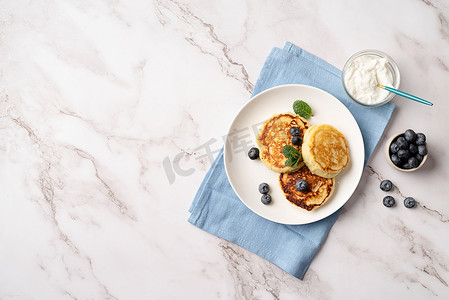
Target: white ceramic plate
(245, 174)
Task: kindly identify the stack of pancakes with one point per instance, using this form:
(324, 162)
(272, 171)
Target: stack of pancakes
(324, 151)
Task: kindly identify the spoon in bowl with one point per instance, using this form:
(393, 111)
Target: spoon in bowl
(403, 94)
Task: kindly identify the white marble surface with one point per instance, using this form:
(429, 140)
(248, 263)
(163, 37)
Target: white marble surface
(96, 95)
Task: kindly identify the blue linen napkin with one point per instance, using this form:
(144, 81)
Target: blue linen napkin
(217, 209)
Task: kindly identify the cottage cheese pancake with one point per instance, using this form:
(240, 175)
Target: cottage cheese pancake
(325, 150)
(319, 191)
(273, 135)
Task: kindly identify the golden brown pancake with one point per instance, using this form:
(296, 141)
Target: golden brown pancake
(325, 150)
(320, 188)
(273, 135)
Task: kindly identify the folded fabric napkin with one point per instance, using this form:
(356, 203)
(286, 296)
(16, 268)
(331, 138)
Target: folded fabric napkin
(216, 208)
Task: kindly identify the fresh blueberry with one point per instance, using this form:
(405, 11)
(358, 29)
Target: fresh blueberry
(413, 162)
(386, 185)
(420, 139)
(395, 159)
(422, 150)
(266, 199)
(403, 154)
(302, 185)
(413, 149)
(419, 157)
(402, 143)
(295, 131)
(264, 188)
(296, 140)
(253, 153)
(389, 201)
(409, 202)
(410, 136)
(394, 148)
(406, 166)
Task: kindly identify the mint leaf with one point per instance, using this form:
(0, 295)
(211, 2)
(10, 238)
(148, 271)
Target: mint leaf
(293, 156)
(296, 164)
(290, 151)
(290, 161)
(302, 109)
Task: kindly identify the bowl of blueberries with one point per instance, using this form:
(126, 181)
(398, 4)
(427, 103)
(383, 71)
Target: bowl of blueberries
(406, 151)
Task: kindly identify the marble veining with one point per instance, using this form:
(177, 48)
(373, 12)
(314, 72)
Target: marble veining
(255, 278)
(202, 35)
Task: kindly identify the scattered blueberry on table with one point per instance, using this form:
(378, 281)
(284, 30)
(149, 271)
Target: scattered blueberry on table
(409, 202)
(389, 201)
(386, 185)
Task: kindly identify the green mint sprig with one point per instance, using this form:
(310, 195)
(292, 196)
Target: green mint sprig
(293, 156)
(302, 109)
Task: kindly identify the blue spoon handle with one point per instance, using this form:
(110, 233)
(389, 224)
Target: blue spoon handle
(403, 94)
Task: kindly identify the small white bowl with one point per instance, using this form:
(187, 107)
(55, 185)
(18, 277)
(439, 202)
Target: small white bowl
(387, 155)
(392, 66)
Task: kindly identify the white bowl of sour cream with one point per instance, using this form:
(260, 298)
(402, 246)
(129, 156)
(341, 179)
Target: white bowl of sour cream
(363, 71)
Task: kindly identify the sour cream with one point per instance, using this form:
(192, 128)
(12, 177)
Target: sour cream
(362, 76)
